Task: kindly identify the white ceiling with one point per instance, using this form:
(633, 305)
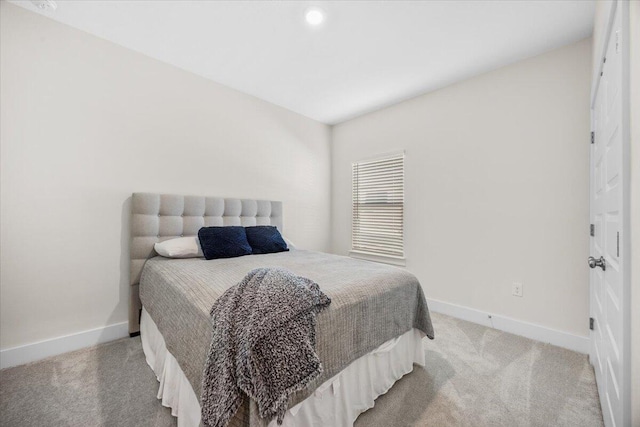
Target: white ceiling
(366, 55)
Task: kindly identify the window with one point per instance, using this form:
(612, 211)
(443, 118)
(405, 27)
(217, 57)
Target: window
(378, 209)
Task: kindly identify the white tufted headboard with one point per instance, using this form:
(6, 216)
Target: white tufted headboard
(158, 217)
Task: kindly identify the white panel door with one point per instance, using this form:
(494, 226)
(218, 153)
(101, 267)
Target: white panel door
(608, 344)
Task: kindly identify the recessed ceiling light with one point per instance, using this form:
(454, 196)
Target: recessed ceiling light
(45, 4)
(314, 16)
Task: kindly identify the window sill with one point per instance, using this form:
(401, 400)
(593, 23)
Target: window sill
(378, 258)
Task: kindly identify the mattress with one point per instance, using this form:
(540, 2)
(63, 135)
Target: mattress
(371, 304)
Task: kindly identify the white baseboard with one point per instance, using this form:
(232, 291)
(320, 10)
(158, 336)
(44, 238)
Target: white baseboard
(513, 326)
(52, 347)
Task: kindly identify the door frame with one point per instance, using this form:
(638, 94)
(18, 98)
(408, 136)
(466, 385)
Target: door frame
(622, 6)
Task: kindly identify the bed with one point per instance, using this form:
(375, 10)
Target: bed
(369, 337)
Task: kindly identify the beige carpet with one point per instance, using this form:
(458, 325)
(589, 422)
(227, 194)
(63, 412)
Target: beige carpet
(475, 376)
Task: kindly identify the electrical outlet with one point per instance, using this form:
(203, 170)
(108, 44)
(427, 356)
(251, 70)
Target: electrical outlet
(517, 289)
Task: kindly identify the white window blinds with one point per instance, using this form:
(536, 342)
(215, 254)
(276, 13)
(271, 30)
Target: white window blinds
(378, 207)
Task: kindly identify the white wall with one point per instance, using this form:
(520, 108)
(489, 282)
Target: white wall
(84, 123)
(600, 22)
(497, 175)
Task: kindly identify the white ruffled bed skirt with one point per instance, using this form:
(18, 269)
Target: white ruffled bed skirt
(337, 402)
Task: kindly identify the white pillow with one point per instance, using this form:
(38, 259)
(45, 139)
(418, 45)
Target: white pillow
(181, 247)
(289, 243)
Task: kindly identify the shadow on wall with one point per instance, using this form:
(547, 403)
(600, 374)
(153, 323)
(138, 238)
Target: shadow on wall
(125, 254)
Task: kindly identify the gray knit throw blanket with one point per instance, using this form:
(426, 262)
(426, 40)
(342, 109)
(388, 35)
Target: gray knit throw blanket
(263, 345)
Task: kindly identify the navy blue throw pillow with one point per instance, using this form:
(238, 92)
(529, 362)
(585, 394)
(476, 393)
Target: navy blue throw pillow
(223, 242)
(265, 239)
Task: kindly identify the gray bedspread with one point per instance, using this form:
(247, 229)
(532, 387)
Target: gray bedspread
(371, 303)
